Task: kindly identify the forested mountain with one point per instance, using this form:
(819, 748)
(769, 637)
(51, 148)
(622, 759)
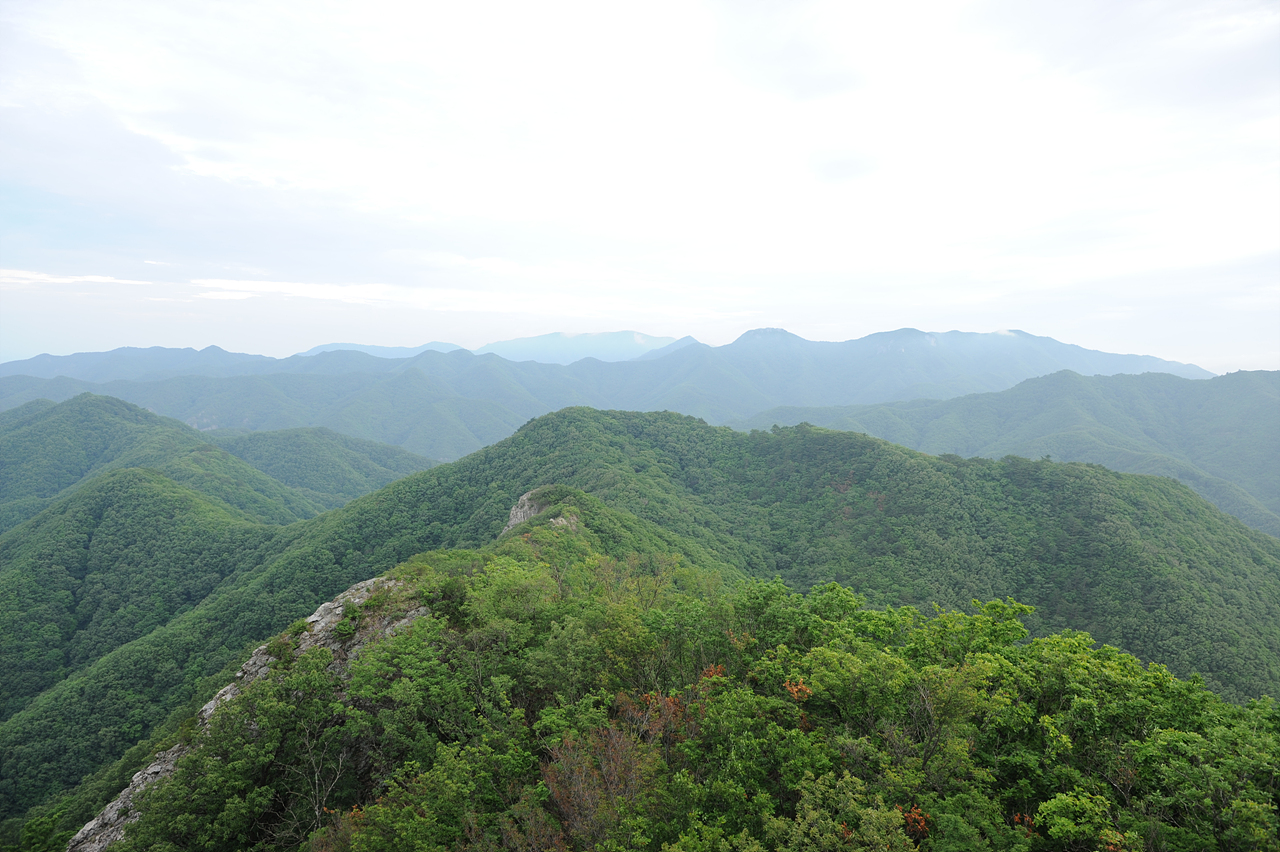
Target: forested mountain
(444, 405)
(130, 362)
(329, 468)
(270, 477)
(109, 563)
(576, 686)
(48, 450)
(1221, 436)
(1140, 562)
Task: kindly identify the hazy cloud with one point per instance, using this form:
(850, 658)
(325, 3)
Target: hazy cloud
(511, 169)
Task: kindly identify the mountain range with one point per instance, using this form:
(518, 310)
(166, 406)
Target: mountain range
(444, 405)
(1217, 436)
(1221, 436)
(908, 363)
(131, 598)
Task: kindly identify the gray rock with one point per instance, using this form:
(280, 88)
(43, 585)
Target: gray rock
(109, 825)
(524, 509)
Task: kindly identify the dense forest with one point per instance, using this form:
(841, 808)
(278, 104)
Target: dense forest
(1140, 562)
(577, 685)
(1221, 436)
(48, 450)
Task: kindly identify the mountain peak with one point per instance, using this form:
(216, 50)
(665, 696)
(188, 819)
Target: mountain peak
(769, 336)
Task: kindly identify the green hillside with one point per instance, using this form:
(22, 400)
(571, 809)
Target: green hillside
(329, 468)
(1221, 436)
(112, 562)
(408, 409)
(24, 411)
(579, 686)
(52, 449)
(1140, 562)
(48, 449)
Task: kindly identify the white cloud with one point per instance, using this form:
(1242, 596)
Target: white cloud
(223, 294)
(711, 161)
(14, 279)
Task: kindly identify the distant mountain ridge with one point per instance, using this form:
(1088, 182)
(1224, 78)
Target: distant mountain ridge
(918, 358)
(564, 348)
(382, 351)
(443, 405)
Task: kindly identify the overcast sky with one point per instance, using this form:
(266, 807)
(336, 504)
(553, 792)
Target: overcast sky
(268, 176)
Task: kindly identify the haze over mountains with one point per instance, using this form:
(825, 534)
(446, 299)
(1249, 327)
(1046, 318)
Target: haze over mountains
(1214, 435)
(920, 361)
(562, 348)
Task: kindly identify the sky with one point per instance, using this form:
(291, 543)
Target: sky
(268, 176)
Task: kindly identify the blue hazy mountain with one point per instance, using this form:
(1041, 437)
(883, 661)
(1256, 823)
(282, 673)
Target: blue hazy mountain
(444, 405)
(892, 365)
(382, 351)
(564, 348)
(663, 351)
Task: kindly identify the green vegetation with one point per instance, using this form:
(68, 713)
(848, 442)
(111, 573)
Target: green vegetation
(1217, 436)
(120, 557)
(48, 451)
(329, 468)
(565, 692)
(1140, 562)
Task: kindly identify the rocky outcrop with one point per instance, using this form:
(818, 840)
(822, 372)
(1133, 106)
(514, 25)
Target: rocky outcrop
(109, 825)
(524, 509)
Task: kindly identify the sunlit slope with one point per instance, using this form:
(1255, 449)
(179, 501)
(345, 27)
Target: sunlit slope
(1141, 562)
(1221, 436)
(54, 449)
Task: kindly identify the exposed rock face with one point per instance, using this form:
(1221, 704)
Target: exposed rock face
(524, 509)
(108, 826)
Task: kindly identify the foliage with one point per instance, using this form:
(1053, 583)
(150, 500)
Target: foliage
(329, 468)
(1216, 436)
(53, 450)
(701, 717)
(1139, 562)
